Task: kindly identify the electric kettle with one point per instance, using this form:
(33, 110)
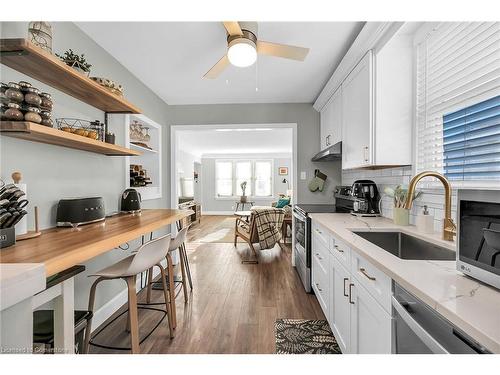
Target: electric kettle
(131, 201)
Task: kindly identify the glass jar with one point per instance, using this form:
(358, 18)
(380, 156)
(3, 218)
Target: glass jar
(13, 93)
(46, 101)
(12, 112)
(32, 114)
(24, 85)
(46, 118)
(32, 97)
(4, 88)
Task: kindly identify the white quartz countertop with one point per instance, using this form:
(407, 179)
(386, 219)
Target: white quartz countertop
(470, 305)
(19, 282)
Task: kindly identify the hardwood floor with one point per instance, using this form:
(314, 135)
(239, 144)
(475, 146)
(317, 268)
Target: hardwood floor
(232, 308)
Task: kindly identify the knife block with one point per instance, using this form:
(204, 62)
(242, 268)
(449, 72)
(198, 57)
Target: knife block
(7, 237)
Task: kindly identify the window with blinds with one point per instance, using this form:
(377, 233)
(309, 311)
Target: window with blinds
(457, 96)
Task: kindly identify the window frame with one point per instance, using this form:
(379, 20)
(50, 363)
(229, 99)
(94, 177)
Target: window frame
(252, 179)
(433, 184)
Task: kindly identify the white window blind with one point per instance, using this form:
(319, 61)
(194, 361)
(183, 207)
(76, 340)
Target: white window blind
(229, 174)
(458, 68)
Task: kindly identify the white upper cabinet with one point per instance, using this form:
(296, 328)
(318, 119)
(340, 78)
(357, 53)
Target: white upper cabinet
(374, 105)
(331, 121)
(357, 119)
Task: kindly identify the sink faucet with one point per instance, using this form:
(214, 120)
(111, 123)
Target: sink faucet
(449, 227)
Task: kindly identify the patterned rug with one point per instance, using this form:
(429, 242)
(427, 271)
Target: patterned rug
(303, 336)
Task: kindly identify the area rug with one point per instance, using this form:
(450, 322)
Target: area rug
(303, 336)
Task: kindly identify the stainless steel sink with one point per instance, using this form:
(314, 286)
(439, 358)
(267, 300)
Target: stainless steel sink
(407, 247)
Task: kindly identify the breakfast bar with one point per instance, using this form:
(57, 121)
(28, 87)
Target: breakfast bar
(59, 249)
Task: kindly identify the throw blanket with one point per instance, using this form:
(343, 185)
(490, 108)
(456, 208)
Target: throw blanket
(269, 222)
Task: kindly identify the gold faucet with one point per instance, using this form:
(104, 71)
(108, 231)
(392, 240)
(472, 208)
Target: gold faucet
(449, 227)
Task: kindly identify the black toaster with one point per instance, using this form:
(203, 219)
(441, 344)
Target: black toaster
(79, 211)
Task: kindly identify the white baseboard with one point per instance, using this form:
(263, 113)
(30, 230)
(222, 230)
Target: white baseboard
(217, 213)
(115, 303)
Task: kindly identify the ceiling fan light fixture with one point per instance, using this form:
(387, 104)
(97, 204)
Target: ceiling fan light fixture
(242, 52)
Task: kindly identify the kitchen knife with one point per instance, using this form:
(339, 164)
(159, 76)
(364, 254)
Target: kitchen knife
(4, 217)
(16, 195)
(18, 218)
(4, 202)
(8, 192)
(8, 223)
(8, 186)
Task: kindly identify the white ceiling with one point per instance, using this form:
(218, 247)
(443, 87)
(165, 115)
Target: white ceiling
(172, 57)
(245, 141)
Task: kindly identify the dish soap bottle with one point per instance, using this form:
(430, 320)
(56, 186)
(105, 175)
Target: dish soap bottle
(425, 222)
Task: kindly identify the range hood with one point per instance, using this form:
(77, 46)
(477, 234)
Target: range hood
(331, 153)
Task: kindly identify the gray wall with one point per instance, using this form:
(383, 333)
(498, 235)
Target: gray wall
(308, 138)
(53, 172)
(210, 203)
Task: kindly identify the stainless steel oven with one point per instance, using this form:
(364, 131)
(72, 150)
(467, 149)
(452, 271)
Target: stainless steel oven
(478, 252)
(302, 240)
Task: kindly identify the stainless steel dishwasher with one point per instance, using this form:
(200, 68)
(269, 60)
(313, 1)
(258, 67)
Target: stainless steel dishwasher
(418, 329)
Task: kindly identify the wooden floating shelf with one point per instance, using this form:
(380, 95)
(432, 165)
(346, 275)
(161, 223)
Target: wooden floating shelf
(25, 57)
(38, 133)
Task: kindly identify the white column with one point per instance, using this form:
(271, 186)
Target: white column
(64, 319)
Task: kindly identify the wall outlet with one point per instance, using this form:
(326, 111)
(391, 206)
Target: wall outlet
(303, 175)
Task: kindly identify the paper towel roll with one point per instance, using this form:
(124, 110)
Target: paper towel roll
(22, 226)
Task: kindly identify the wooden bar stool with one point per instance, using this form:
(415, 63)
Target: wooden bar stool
(176, 242)
(148, 256)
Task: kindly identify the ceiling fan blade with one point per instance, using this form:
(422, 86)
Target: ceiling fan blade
(282, 50)
(232, 28)
(217, 69)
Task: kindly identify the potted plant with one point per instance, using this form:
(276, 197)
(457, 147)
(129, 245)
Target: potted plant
(400, 215)
(77, 62)
(243, 197)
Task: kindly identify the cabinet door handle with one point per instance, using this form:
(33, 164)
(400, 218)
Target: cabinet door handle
(317, 285)
(350, 293)
(345, 294)
(363, 271)
(318, 256)
(318, 231)
(365, 151)
(338, 248)
(328, 140)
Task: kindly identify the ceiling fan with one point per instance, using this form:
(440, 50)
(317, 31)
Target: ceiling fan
(243, 47)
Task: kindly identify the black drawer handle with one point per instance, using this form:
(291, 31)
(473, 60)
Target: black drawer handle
(345, 294)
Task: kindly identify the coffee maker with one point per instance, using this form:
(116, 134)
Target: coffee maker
(366, 198)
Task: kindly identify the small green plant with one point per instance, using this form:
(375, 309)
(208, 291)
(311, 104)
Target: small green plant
(399, 194)
(74, 60)
(243, 186)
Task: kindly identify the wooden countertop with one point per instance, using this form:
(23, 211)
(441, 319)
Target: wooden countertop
(61, 248)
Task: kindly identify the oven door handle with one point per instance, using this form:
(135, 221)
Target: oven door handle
(417, 329)
(299, 216)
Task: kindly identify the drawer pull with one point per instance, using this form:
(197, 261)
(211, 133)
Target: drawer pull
(317, 256)
(338, 248)
(317, 286)
(345, 294)
(350, 293)
(317, 230)
(363, 271)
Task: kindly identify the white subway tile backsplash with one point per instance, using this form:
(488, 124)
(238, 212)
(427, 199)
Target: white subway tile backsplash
(432, 198)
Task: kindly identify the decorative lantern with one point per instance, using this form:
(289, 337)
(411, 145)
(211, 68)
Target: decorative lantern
(40, 34)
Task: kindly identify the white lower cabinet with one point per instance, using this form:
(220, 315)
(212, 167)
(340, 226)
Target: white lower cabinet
(352, 294)
(340, 309)
(370, 323)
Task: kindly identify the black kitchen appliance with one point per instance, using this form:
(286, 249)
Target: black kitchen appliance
(79, 211)
(365, 197)
(131, 201)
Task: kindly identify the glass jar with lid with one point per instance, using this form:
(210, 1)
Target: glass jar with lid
(13, 93)
(46, 118)
(46, 101)
(32, 97)
(32, 114)
(12, 112)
